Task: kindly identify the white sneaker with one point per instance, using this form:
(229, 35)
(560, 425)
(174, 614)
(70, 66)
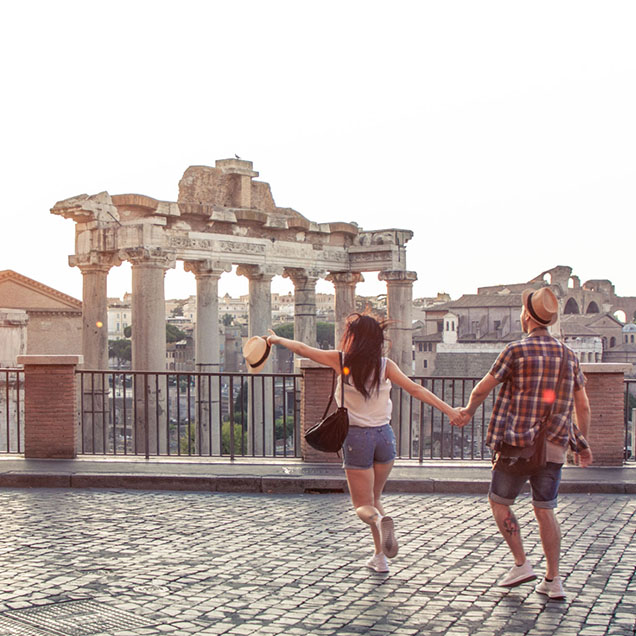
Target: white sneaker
(552, 589)
(387, 532)
(518, 574)
(378, 563)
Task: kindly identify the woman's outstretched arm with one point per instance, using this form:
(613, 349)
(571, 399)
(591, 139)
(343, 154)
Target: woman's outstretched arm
(330, 358)
(395, 374)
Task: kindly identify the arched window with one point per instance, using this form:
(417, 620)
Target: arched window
(612, 342)
(592, 308)
(571, 307)
(619, 314)
(632, 339)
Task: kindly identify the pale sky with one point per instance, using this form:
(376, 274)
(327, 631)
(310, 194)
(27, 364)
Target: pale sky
(502, 133)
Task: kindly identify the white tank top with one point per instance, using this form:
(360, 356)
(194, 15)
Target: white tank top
(374, 411)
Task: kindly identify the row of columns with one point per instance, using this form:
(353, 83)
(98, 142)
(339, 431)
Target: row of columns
(149, 340)
(148, 309)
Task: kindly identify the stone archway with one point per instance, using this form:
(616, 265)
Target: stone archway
(592, 308)
(571, 307)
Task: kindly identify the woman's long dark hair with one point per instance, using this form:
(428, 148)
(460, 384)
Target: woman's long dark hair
(363, 345)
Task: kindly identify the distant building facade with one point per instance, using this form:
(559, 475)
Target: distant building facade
(52, 319)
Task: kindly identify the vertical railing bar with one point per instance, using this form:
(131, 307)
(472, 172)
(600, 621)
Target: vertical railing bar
(178, 414)
(125, 414)
(114, 411)
(168, 449)
(421, 427)
(189, 395)
(8, 409)
(220, 415)
(209, 394)
(198, 415)
(104, 436)
(452, 428)
(135, 387)
(157, 423)
(146, 422)
(284, 405)
(230, 397)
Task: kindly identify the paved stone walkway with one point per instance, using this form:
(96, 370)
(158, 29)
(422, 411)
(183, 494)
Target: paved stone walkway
(127, 563)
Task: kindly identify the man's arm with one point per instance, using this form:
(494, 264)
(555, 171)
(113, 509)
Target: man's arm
(478, 395)
(582, 427)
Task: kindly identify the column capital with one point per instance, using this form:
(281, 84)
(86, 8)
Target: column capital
(94, 262)
(345, 278)
(206, 268)
(301, 274)
(257, 272)
(398, 277)
(150, 257)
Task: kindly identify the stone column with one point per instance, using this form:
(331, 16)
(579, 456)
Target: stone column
(304, 303)
(207, 354)
(95, 310)
(400, 332)
(345, 296)
(149, 346)
(95, 346)
(260, 431)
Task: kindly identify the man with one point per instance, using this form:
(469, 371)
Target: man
(529, 370)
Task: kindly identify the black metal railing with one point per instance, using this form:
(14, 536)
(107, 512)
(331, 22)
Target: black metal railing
(243, 415)
(189, 414)
(423, 433)
(11, 410)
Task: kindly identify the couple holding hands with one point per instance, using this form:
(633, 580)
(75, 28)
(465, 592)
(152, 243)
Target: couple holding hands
(534, 383)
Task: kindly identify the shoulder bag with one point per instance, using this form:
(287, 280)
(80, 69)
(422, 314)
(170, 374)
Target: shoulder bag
(330, 433)
(527, 460)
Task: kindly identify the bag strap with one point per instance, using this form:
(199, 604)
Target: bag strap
(564, 362)
(333, 388)
(341, 379)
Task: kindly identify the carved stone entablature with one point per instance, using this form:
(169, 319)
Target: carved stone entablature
(384, 237)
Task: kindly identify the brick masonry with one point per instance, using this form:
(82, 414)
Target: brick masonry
(315, 390)
(606, 393)
(50, 406)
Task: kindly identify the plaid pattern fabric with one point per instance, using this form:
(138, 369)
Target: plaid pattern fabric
(529, 370)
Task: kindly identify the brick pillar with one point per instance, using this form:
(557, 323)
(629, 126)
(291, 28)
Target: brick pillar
(51, 429)
(315, 389)
(606, 391)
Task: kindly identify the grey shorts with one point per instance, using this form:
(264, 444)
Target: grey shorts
(368, 445)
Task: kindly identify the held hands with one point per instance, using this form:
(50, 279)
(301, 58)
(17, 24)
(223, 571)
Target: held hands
(461, 418)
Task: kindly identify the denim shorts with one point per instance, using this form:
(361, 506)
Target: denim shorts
(544, 484)
(368, 445)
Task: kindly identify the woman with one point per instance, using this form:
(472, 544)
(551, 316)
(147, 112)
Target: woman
(369, 449)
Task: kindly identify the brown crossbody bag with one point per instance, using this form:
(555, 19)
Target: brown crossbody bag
(527, 460)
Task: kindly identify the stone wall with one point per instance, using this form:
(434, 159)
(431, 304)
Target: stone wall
(469, 365)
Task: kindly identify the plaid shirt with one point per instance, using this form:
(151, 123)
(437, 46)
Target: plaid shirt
(529, 370)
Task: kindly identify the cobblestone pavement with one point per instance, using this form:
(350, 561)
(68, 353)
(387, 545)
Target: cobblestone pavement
(127, 563)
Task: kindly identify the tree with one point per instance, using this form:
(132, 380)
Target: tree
(121, 350)
(177, 311)
(174, 334)
(285, 330)
(325, 335)
(228, 319)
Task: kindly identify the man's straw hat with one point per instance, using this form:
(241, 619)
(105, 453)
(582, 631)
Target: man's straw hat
(542, 305)
(256, 351)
